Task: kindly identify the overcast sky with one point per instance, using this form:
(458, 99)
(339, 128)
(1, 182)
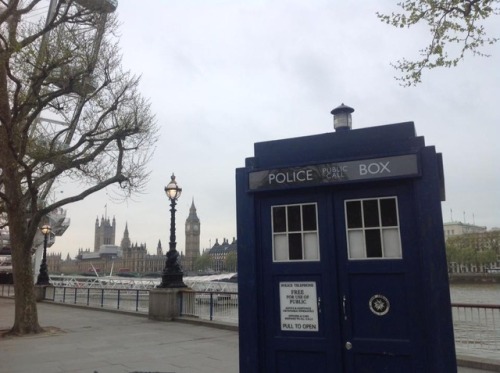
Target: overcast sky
(222, 75)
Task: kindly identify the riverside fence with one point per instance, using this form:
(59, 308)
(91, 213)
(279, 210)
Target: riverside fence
(476, 326)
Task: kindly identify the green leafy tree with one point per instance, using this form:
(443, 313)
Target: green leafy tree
(486, 257)
(231, 261)
(68, 113)
(203, 262)
(474, 248)
(456, 27)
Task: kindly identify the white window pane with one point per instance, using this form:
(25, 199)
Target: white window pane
(311, 251)
(392, 246)
(356, 245)
(280, 247)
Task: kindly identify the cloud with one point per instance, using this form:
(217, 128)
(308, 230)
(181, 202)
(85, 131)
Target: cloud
(222, 75)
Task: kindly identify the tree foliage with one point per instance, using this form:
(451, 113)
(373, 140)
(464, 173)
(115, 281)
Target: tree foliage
(474, 248)
(68, 114)
(231, 262)
(203, 262)
(456, 26)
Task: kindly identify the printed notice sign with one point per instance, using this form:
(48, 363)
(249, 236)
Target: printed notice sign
(299, 306)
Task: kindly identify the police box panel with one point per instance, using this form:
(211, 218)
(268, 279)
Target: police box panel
(378, 269)
(301, 326)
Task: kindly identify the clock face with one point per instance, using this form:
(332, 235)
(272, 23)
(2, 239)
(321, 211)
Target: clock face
(195, 228)
(188, 227)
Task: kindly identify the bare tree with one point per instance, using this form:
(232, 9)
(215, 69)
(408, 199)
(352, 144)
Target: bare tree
(67, 113)
(456, 27)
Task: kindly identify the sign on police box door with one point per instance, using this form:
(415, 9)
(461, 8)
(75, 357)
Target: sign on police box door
(299, 306)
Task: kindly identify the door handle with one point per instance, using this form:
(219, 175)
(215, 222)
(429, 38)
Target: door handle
(348, 346)
(344, 300)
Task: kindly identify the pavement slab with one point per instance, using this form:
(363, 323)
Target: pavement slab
(95, 341)
(86, 340)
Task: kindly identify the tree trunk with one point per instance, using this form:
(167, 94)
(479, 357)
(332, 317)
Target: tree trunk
(26, 315)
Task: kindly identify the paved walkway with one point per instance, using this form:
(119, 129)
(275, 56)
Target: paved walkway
(92, 341)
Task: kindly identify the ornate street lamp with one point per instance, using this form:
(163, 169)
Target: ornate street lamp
(43, 275)
(172, 273)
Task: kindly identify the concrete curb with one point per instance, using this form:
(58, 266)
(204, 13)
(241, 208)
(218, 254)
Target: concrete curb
(184, 319)
(211, 324)
(478, 363)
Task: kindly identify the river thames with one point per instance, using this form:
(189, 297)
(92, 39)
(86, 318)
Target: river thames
(475, 293)
(477, 330)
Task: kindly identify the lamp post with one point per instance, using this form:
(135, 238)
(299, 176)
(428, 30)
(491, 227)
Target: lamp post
(172, 273)
(43, 275)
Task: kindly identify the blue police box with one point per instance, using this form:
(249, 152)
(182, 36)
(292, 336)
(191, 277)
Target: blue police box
(341, 255)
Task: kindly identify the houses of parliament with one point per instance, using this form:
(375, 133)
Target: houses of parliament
(132, 258)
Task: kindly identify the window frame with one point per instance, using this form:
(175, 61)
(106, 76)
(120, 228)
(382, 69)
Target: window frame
(371, 228)
(305, 235)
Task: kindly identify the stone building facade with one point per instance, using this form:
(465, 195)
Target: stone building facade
(219, 253)
(192, 246)
(105, 231)
(128, 258)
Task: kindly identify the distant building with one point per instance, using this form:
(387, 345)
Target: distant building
(219, 253)
(54, 262)
(136, 258)
(459, 228)
(104, 233)
(125, 244)
(133, 257)
(192, 246)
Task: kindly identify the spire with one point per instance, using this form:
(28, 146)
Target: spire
(192, 209)
(159, 250)
(125, 244)
(193, 217)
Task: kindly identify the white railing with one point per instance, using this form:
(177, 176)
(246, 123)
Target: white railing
(108, 282)
(198, 283)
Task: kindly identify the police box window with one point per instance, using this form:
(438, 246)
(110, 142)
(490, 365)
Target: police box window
(373, 228)
(295, 232)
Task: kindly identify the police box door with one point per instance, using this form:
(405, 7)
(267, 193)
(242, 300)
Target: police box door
(299, 298)
(339, 277)
(378, 267)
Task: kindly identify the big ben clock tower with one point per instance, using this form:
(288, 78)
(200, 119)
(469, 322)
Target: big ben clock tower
(192, 239)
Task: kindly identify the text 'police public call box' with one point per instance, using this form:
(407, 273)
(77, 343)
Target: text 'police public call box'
(341, 258)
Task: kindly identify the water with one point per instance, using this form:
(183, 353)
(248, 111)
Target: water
(475, 293)
(477, 331)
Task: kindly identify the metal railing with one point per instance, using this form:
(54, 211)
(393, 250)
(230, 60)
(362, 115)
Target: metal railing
(120, 299)
(476, 326)
(477, 329)
(7, 290)
(209, 305)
